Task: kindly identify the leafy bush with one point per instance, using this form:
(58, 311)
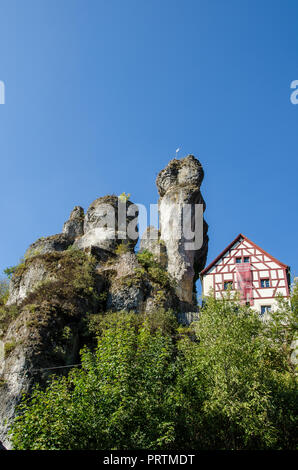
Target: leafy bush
(154, 270)
(122, 248)
(126, 383)
(9, 347)
(146, 259)
(9, 272)
(124, 197)
(7, 315)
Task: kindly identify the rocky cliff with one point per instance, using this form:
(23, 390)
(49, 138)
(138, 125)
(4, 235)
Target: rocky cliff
(67, 282)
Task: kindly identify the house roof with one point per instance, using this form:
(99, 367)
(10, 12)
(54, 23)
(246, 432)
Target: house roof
(238, 238)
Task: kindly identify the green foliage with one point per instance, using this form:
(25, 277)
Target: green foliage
(154, 270)
(163, 320)
(122, 248)
(4, 291)
(72, 249)
(294, 299)
(123, 397)
(9, 347)
(19, 268)
(224, 383)
(124, 197)
(7, 315)
(72, 273)
(9, 272)
(241, 386)
(146, 259)
(15, 270)
(32, 252)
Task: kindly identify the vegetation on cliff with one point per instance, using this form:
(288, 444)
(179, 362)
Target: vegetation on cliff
(225, 383)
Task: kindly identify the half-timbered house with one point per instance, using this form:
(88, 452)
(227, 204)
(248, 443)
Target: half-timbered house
(245, 267)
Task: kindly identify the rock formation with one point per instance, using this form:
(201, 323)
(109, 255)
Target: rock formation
(103, 227)
(74, 226)
(69, 281)
(179, 184)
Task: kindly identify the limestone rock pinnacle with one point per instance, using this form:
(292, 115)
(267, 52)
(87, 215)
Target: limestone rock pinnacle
(179, 184)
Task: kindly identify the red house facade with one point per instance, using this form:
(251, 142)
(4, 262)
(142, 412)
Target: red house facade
(246, 268)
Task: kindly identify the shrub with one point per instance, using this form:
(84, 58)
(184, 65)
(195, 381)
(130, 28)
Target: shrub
(226, 383)
(154, 270)
(15, 270)
(124, 197)
(146, 259)
(9, 272)
(7, 315)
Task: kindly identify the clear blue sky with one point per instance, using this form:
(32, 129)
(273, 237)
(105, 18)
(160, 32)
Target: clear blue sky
(100, 93)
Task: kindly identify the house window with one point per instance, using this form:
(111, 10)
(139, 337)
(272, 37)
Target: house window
(238, 260)
(265, 283)
(265, 309)
(246, 259)
(228, 285)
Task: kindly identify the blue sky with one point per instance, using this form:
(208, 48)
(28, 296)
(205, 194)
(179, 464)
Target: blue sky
(99, 94)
